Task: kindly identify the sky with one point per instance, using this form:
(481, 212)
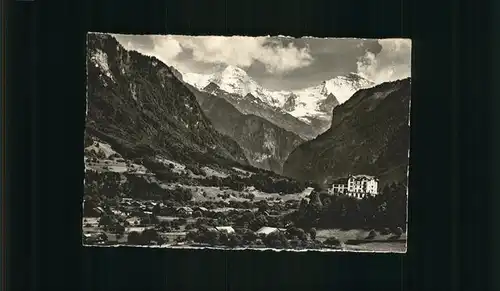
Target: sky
(280, 63)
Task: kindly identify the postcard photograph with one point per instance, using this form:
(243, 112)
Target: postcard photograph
(247, 143)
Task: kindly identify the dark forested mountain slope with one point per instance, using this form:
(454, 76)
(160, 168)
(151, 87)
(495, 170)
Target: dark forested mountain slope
(265, 144)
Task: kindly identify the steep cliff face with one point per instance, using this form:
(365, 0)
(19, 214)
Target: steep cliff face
(137, 104)
(265, 145)
(249, 104)
(306, 112)
(369, 134)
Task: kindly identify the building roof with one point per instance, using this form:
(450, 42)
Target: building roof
(266, 230)
(362, 177)
(185, 208)
(229, 229)
(308, 191)
(210, 228)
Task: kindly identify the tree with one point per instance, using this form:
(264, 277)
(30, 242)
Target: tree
(106, 220)
(134, 238)
(211, 237)
(89, 206)
(193, 236)
(312, 233)
(303, 206)
(398, 231)
(244, 219)
(314, 199)
(249, 236)
(156, 210)
(224, 237)
(182, 194)
(385, 231)
(258, 222)
(234, 240)
(263, 206)
(326, 201)
(150, 235)
(332, 241)
(103, 237)
(276, 240)
(120, 229)
(296, 232)
(371, 235)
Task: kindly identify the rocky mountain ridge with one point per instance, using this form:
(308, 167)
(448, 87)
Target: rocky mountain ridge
(309, 106)
(137, 105)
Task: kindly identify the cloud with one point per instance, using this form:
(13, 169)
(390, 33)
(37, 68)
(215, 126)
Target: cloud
(167, 48)
(243, 51)
(278, 62)
(391, 63)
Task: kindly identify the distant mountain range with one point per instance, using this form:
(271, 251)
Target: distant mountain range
(370, 134)
(306, 112)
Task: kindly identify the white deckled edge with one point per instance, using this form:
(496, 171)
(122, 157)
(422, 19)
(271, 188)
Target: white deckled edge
(229, 36)
(408, 172)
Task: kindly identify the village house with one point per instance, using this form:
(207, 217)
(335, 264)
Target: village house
(357, 186)
(266, 230)
(184, 211)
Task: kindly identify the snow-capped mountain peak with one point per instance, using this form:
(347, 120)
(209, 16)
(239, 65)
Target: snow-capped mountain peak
(343, 87)
(234, 80)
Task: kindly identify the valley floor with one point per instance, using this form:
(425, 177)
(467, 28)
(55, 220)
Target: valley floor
(176, 234)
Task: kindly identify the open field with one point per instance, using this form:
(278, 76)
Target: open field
(352, 234)
(397, 247)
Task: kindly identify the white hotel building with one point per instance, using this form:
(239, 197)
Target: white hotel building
(358, 186)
